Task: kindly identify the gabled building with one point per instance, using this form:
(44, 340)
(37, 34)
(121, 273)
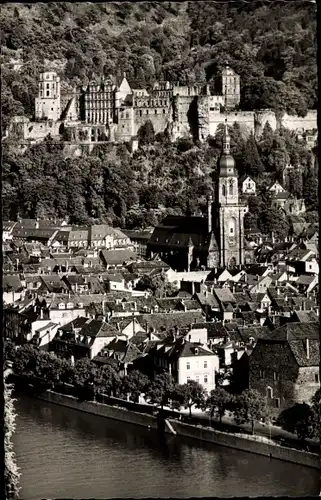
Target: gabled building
(113, 259)
(82, 338)
(186, 361)
(275, 188)
(249, 186)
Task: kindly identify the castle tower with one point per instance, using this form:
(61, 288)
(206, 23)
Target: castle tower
(230, 88)
(47, 104)
(229, 211)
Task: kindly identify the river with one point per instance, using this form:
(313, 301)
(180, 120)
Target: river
(63, 453)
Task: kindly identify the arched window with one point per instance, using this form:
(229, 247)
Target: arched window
(269, 392)
(231, 187)
(223, 190)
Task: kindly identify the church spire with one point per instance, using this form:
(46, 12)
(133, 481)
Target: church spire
(226, 140)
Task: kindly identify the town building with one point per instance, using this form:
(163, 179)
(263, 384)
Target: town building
(249, 186)
(285, 366)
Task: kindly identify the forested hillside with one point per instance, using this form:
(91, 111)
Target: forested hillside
(135, 191)
(271, 45)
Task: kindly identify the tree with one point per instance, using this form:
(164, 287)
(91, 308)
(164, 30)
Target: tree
(11, 471)
(9, 351)
(190, 394)
(310, 188)
(161, 389)
(315, 408)
(146, 134)
(298, 420)
(218, 402)
(251, 161)
(296, 183)
(134, 384)
(266, 139)
(106, 380)
(158, 284)
(250, 407)
(271, 220)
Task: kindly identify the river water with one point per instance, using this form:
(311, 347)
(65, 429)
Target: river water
(63, 453)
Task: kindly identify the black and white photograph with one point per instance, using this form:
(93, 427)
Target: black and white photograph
(160, 249)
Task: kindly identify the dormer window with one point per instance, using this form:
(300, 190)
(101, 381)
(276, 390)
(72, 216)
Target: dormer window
(61, 306)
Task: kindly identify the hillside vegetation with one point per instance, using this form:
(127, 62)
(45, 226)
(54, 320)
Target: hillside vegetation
(272, 46)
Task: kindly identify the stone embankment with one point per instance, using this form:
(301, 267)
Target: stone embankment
(173, 426)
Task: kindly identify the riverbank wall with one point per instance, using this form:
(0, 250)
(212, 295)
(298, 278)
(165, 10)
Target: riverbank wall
(248, 444)
(199, 433)
(100, 409)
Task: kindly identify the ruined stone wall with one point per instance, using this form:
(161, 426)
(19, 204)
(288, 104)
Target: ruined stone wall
(126, 127)
(294, 122)
(159, 116)
(180, 126)
(244, 118)
(203, 117)
(40, 130)
(261, 118)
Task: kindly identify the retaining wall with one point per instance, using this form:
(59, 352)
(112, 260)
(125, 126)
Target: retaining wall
(102, 410)
(249, 445)
(195, 432)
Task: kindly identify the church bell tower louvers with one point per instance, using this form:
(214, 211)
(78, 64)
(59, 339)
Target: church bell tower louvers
(229, 211)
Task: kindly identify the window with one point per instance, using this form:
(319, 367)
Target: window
(269, 392)
(197, 378)
(188, 365)
(48, 84)
(205, 364)
(231, 230)
(316, 378)
(205, 379)
(275, 376)
(223, 190)
(277, 402)
(47, 93)
(261, 373)
(188, 378)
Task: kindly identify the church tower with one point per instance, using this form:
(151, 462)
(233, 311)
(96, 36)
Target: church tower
(229, 211)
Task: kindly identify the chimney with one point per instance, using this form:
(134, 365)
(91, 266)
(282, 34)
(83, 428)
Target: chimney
(209, 213)
(307, 347)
